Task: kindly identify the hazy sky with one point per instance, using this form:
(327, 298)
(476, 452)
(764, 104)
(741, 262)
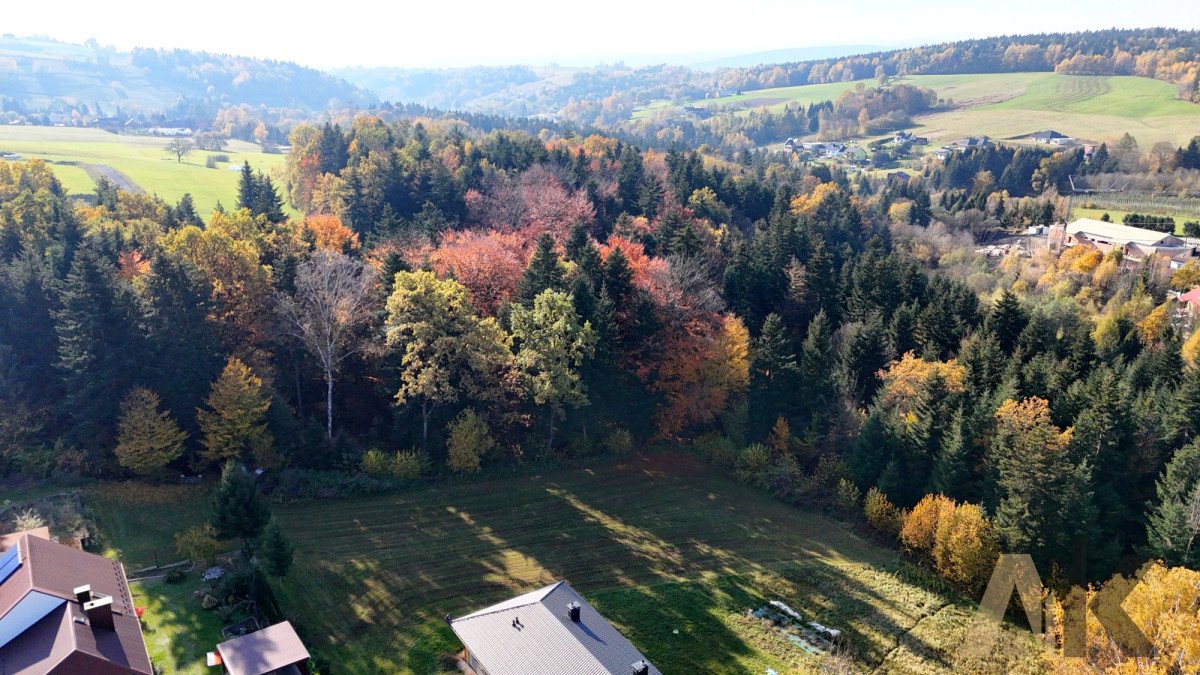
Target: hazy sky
(468, 32)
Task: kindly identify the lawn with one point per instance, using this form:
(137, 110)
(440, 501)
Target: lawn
(140, 158)
(178, 632)
(1006, 105)
(138, 522)
(672, 552)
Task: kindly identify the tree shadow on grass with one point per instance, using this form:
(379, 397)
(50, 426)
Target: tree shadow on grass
(644, 539)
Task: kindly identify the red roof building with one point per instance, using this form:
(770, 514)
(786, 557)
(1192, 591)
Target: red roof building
(64, 611)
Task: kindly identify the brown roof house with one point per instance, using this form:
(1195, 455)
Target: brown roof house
(64, 611)
(275, 649)
(551, 630)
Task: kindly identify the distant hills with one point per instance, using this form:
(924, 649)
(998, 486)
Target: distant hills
(785, 56)
(39, 73)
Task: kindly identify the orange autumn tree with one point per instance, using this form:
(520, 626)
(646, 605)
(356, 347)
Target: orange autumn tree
(703, 368)
(329, 233)
(489, 264)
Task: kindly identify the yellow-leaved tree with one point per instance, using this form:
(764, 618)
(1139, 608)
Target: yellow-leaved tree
(1163, 602)
(148, 438)
(235, 423)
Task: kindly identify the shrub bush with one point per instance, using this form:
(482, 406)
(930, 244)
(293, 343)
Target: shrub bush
(965, 548)
(921, 526)
(619, 442)
(881, 513)
(409, 465)
(375, 462)
(752, 463)
(198, 543)
(717, 450)
(849, 497)
(306, 484)
(469, 440)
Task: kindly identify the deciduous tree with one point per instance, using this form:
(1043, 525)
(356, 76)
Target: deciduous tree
(333, 299)
(445, 349)
(552, 347)
(235, 422)
(148, 438)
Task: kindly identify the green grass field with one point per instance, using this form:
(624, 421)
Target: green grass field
(140, 158)
(1006, 105)
(178, 632)
(669, 550)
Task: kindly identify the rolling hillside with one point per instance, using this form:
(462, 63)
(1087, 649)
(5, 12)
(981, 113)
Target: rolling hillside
(77, 156)
(1006, 105)
(38, 73)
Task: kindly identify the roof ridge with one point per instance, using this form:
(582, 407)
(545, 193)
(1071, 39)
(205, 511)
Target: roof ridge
(536, 601)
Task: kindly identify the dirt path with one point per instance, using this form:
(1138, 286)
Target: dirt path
(96, 171)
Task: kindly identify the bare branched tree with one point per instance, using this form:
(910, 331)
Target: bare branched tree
(334, 297)
(179, 148)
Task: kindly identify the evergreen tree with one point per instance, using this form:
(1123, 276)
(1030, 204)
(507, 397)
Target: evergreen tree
(277, 552)
(774, 373)
(185, 212)
(577, 241)
(816, 364)
(247, 188)
(543, 273)
(183, 343)
(618, 277)
(1007, 320)
(1043, 501)
(238, 510)
(100, 348)
(1183, 420)
(630, 180)
(148, 439)
(1173, 525)
(983, 363)
(864, 353)
(951, 464)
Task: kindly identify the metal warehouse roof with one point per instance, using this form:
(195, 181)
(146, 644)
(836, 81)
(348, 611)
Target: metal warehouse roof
(1117, 233)
(534, 633)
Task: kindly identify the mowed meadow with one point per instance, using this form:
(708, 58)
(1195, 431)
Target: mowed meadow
(1007, 105)
(671, 551)
(78, 155)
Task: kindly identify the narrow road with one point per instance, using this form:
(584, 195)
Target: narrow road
(96, 171)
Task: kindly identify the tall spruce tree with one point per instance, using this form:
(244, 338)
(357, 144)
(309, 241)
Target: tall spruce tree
(774, 374)
(100, 348)
(1173, 525)
(239, 511)
(544, 272)
(1007, 320)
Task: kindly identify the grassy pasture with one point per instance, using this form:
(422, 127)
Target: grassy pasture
(671, 551)
(140, 158)
(661, 545)
(1006, 105)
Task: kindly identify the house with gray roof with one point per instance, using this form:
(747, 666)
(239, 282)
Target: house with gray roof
(550, 630)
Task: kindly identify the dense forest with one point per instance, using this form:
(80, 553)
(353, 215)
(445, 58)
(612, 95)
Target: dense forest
(40, 76)
(457, 300)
